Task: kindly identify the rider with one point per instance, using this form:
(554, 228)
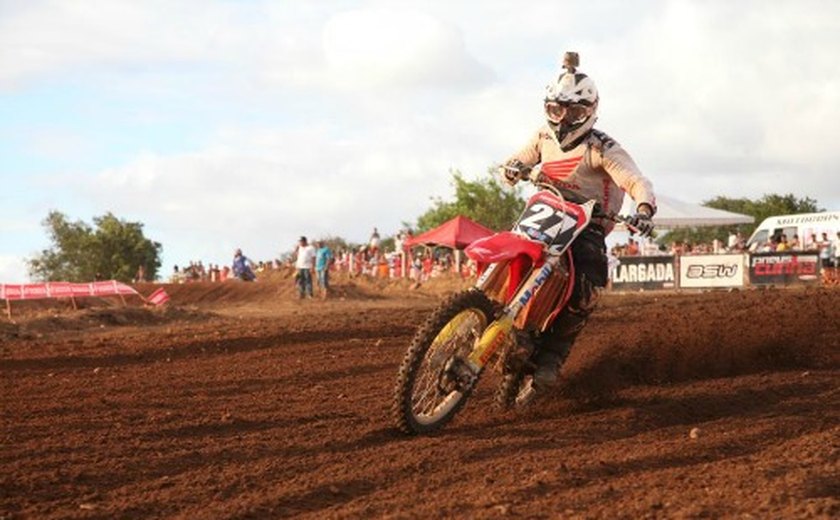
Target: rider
(242, 267)
(584, 164)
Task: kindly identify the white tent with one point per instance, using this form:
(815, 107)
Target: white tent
(672, 213)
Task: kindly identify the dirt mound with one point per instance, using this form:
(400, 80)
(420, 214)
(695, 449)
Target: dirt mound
(647, 339)
(278, 286)
(36, 323)
(208, 294)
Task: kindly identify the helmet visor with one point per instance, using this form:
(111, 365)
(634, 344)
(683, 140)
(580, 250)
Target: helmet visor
(567, 113)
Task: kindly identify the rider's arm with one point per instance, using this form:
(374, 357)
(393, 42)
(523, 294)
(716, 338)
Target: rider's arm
(623, 170)
(529, 155)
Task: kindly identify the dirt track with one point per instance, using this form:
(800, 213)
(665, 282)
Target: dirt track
(240, 403)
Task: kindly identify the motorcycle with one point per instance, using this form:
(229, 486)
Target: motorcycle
(246, 276)
(526, 281)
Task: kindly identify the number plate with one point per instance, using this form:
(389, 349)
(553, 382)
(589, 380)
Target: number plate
(553, 221)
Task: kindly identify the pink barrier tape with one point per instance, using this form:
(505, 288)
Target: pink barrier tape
(38, 291)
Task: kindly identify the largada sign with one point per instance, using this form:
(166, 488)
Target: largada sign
(643, 272)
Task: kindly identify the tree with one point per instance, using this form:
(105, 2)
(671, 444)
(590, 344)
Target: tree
(767, 206)
(113, 249)
(484, 201)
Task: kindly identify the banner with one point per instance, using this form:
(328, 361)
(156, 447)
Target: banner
(37, 291)
(707, 271)
(643, 272)
(159, 297)
(786, 268)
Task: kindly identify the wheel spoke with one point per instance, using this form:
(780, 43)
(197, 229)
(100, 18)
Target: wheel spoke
(455, 338)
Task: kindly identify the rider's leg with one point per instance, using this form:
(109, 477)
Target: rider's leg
(554, 345)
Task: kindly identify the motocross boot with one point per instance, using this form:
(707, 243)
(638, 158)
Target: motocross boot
(557, 341)
(524, 347)
(548, 360)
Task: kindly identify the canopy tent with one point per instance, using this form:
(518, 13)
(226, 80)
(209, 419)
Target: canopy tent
(456, 233)
(672, 213)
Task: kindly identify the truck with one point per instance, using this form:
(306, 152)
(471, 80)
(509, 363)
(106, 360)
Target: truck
(803, 225)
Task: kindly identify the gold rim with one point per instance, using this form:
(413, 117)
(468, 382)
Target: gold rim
(458, 336)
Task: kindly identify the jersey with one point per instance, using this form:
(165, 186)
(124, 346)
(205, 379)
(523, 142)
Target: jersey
(598, 168)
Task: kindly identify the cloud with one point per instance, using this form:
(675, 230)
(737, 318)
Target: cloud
(250, 123)
(397, 47)
(41, 40)
(260, 189)
(261, 43)
(728, 98)
(12, 269)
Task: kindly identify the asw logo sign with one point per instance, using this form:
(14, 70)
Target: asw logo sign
(705, 271)
(713, 271)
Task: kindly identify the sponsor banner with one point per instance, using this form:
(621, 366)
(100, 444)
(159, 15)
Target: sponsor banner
(784, 268)
(706, 271)
(11, 292)
(159, 297)
(643, 272)
(37, 291)
(81, 289)
(104, 288)
(34, 291)
(60, 289)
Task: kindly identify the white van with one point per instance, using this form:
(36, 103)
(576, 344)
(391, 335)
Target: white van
(802, 224)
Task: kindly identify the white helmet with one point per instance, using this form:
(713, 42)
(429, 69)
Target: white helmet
(571, 105)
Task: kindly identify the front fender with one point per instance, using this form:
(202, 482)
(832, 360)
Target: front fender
(505, 246)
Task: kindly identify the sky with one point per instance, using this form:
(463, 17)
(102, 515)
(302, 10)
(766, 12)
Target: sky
(221, 124)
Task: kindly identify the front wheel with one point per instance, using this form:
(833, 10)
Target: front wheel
(434, 381)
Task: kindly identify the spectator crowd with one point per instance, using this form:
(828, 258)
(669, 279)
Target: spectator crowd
(315, 263)
(827, 247)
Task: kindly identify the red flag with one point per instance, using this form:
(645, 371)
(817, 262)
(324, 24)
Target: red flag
(158, 297)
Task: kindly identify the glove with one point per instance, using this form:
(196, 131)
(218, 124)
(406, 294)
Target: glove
(512, 171)
(641, 221)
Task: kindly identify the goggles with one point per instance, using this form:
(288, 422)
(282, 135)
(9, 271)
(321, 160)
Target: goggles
(565, 112)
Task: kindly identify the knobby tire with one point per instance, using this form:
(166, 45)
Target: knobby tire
(403, 413)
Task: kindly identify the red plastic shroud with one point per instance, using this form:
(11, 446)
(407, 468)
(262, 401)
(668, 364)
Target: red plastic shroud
(505, 245)
(524, 252)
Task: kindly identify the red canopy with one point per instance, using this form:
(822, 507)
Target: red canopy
(457, 233)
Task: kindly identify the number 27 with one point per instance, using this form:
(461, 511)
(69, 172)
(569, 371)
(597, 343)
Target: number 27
(542, 212)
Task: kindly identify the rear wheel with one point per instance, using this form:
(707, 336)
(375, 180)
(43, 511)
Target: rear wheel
(434, 380)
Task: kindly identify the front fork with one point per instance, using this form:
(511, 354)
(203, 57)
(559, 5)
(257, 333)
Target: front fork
(497, 333)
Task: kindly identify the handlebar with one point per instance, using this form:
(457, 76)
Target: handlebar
(523, 172)
(597, 209)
